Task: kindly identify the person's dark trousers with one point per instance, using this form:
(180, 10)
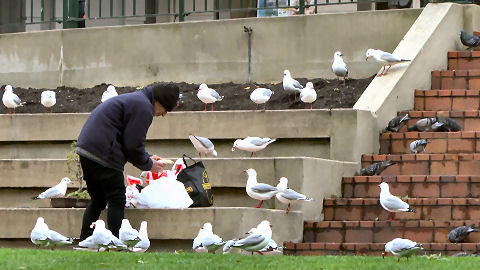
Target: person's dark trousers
(105, 185)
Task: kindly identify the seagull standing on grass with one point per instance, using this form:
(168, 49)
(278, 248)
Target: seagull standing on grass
(41, 235)
(208, 95)
(56, 191)
(144, 243)
(392, 203)
(102, 237)
(384, 58)
(198, 240)
(109, 93)
(289, 196)
(252, 144)
(257, 240)
(47, 98)
(127, 234)
(308, 94)
(210, 241)
(401, 248)
(339, 67)
(11, 100)
(291, 85)
(203, 146)
(261, 96)
(258, 191)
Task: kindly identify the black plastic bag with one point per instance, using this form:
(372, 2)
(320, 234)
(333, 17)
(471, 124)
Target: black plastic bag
(195, 180)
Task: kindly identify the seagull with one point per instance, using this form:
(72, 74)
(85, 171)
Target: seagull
(88, 243)
(203, 146)
(424, 124)
(109, 93)
(401, 248)
(271, 246)
(144, 243)
(198, 240)
(48, 99)
(385, 58)
(397, 123)
(228, 246)
(459, 234)
(252, 144)
(392, 203)
(41, 235)
(377, 167)
(56, 191)
(469, 40)
(339, 67)
(261, 96)
(102, 237)
(11, 100)
(210, 241)
(418, 146)
(289, 196)
(290, 84)
(127, 234)
(257, 240)
(208, 95)
(308, 94)
(258, 191)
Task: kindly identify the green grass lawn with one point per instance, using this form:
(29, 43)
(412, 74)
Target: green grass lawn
(47, 259)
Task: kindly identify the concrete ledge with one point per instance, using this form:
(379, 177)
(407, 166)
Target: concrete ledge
(164, 224)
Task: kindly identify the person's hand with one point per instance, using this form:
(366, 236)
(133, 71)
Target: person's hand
(155, 157)
(158, 165)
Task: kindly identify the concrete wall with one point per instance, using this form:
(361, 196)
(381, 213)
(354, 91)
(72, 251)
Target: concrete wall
(193, 52)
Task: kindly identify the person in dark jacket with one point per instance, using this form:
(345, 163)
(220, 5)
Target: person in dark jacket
(114, 134)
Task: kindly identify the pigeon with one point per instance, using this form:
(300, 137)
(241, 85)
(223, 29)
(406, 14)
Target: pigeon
(308, 94)
(339, 67)
(385, 58)
(401, 248)
(252, 144)
(47, 98)
(459, 234)
(261, 96)
(448, 124)
(256, 240)
(469, 40)
(41, 235)
(144, 243)
(288, 196)
(418, 146)
(127, 234)
(210, 241)
(424, 124)
(291, 85)
(11, 100)
(109, 93)
(392, 203)
(203, 146)
(258, 191)
(376, 168)
(397, 123)
(208, 95)
(56, 191)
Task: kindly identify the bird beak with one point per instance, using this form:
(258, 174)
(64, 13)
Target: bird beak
(92, 225)
(278, 181)
(366, 59)
(383, 255)
(244, 171)
(378, 185)
(233, 149)
(271, 226)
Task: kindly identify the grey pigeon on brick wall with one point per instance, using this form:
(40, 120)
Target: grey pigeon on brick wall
(459, 234)
(376, 168)
(424, 124)
(397, 123)
(449, 124)
(469, 40)
(418, 146)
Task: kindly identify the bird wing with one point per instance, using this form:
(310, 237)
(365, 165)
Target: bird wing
(267, 92)
(258, 141)
(128, 234)
(393, 202)
(251, 240)
(211, 239)
(292, 195)
(56, 237)
(204, 141)
(296, 84)
(38, 235)
(388, 57)
(214, 94)
(263, 188)
(52, 192)
(16, 99)
(402, 244)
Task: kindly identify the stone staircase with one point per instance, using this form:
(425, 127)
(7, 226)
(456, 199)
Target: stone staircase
(442, 185)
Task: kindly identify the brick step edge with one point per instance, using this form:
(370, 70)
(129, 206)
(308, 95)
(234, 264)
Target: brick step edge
(343, 224)
(447, 92)
(377, 179)
(411, 201)
(457, 54)
(423, 157)
(414, 135)
(452, 114)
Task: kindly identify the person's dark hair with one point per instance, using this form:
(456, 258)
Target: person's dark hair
(166, 94)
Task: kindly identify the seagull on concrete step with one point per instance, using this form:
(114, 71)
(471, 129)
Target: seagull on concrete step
(469, 40)
(210, 241)
(144, 243)
(47, 98)
(291, 85)
(203, 146)
(42, 236)
(384, 58)
(261, 96)
(401, 248)
(127, 234)
(308, 94)
(397, 123)
(252, 144)
(257, 240)
(289, 196)
(109, 93)
(392, 203)
(418, 146)
(258, 191)
(208, 95)
(376, 168)
(459, 234)
(339, 67)
(56, 191)
(11, 100)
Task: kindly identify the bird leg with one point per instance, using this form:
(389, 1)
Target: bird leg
(344, 81)
(253, 154)
(305, 105)
(391, 216)
(259, 252)
(386, 71)
(8, 111)
(13, 110)
(259, 204)
(288, 209)
(205, 107)
(212, 107)
(311, 104)
(398, 260)
(264, 106)
(381, 73)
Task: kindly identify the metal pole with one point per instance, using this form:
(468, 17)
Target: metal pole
(181, 10)
(65, 14)
(249, 31)
(301, 7)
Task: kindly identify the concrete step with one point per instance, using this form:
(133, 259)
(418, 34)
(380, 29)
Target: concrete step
(469, 120)
(371, 249)
(169, 229)
(428, 164)
(438, 142)
(447, 100)
(456, 79)
(356, 209)
(414, 186)
(463, 60)
(423, 231)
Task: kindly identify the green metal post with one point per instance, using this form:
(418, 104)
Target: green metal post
(10, 11)
(217, 8)
(21, 12)
(65, 14)
(53, 11)
(123, 7)
(181, 10)
(88, 9)
(31, 11)
(194, 9)
(111, 8)
(156, 7)
(42, 8)
(70, 14)
(134, 7)
(99, 8)
(301, 7)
